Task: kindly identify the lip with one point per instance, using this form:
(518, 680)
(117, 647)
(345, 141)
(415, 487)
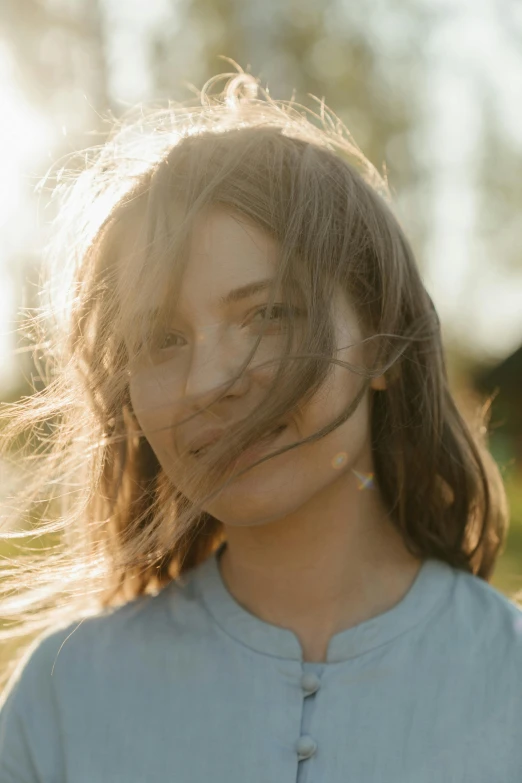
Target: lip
(259, 447)
(211, 436)
(205, 438)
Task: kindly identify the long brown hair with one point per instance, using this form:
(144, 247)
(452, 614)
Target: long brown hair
(114, 527)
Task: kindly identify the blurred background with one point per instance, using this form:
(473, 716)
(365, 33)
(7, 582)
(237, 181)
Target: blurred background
(430, 89)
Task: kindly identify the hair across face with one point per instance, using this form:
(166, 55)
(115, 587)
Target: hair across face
(210, 335)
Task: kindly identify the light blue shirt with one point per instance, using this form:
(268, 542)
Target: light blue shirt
(188, 686)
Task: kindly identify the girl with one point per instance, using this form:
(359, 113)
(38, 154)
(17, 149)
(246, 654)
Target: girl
(276, 529)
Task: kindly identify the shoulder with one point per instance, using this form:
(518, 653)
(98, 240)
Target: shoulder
(486, 627)
(63, 650)
(29, 725)
(58, 671)
(484, 609)
(36, 660)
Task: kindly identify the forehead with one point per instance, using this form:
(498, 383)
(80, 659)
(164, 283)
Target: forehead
(227, 249)
(220, 244)
(224, 251)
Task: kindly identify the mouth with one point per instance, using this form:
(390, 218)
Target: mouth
(255, 446)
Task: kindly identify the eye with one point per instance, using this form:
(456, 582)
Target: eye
(278, 309)
(278, 313)
(162, 344)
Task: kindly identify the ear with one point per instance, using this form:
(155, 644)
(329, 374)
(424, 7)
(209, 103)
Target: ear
(379, 383)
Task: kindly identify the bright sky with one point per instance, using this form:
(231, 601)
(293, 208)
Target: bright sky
(477, 301)
(24, 140)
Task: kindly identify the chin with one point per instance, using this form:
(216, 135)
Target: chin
(254, 499)
(257, 499)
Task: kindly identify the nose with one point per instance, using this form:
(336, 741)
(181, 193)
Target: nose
(214, 363)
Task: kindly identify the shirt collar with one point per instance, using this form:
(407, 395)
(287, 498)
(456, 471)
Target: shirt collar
(434, 582)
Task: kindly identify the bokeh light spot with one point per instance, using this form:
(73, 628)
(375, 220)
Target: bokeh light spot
(339, 460)
(365, 480)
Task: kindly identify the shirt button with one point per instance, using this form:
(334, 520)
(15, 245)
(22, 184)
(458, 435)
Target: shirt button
(305, 746)
(310, 682)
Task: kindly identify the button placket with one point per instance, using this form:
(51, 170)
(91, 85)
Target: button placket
(305, 745)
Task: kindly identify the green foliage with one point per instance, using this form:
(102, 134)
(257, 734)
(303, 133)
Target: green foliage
(508, 573)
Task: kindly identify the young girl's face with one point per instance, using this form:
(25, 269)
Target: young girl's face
(209, 337)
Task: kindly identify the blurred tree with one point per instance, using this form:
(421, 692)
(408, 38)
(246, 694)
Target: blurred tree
(60, 55)
(500, 199)
(58, 50)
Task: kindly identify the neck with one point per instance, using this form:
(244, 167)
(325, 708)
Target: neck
(318, 580)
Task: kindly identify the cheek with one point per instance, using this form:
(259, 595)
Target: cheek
(334, 397)
(342, 447)
(337, 451)
(155, 411)
(278, 487)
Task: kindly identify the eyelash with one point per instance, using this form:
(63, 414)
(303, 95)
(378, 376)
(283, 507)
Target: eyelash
(288, 309)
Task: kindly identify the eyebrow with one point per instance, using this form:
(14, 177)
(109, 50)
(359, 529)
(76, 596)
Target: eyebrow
(246, 291)
(236, 295)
